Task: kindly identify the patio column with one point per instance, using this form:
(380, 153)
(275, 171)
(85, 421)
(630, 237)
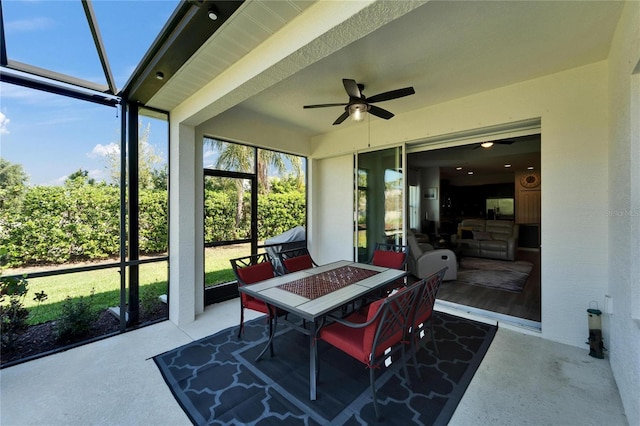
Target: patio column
(186, 277)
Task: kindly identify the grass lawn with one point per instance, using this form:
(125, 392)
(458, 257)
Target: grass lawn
(105, 283)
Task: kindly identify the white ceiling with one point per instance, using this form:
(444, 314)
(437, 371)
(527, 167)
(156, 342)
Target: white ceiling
(447, 50)
(444, 49)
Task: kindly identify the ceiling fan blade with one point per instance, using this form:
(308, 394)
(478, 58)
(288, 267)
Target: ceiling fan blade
(341, 118)
(379, 112)
(352, 88)
(324, 105)
(393, 94)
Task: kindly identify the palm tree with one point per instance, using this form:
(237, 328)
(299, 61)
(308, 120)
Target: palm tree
(240, 158)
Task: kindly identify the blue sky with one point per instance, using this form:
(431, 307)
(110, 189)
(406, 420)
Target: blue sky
(52, 136)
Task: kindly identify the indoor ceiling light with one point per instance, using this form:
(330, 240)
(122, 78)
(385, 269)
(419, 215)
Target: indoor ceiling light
(458, 168)
(357, 111)
(469, 173)
(530, 168)
(160, 75)
(507, 165)
(486, 144)
(213, 14)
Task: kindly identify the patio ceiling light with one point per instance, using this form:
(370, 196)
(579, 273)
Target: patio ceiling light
(213, 14)
(357, 111)
(486, 144)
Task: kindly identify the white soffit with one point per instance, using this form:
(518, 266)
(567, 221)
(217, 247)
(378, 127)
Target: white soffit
(252, 23)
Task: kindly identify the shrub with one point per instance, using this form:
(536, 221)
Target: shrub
(150, 303)
(76, 318)
(14, 320)
(13, 316)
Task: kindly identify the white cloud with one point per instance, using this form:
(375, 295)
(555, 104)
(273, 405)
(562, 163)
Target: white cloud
(35, 24)
(4, 121)
(104, 150)
(97, 174)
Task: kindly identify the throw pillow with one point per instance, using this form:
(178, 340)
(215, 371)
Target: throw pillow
(466, 233)
(482, 235)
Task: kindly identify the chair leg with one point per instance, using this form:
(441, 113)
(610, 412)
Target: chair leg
(241, 329)
(433, 338)
(373, 392)
(414, 349)
(404, 365)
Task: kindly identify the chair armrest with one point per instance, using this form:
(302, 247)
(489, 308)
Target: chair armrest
(430, 262)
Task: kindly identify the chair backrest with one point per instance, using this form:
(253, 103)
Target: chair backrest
(390, 319)
(427, 297)
(252, 269)
(296, 259)
(414, 247)
(390, 255)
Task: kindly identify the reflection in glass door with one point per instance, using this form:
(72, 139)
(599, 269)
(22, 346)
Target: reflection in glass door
(229, 222)
(379, 200)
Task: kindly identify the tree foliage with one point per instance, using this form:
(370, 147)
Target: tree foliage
(151, 174)
(80, 222)
(13, 182)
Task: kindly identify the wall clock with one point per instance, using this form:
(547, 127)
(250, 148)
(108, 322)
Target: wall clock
(530, 180)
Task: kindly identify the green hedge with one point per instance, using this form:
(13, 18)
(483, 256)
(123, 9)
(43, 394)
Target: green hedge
(81, 222)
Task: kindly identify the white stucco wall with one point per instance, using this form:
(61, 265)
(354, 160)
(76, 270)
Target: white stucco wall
(623, 324)
(331, 209)
(572, 106)
(185, 270)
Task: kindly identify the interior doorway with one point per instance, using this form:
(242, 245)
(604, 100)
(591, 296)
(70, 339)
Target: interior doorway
(486, 178)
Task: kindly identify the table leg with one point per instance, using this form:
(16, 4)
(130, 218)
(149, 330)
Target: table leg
(312, 361)
(269, 344)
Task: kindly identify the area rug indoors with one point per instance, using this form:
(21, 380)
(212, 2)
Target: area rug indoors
(496, 274)
(217, 381)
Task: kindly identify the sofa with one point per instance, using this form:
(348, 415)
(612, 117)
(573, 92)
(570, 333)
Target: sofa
(424, 261)
(494, 239)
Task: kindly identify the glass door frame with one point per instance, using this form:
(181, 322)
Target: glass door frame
(399, 166)
(230, 290)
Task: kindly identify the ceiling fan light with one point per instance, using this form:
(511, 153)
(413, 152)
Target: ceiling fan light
(486, 144)
(357, 112)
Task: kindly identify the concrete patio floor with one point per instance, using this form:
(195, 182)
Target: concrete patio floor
(522, 380)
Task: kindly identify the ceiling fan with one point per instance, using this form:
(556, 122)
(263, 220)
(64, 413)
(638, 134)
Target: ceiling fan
(359, 104)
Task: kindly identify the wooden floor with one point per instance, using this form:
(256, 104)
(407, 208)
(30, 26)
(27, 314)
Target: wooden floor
(522, 305)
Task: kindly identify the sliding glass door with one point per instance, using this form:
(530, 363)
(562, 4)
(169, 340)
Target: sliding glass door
(379, 199)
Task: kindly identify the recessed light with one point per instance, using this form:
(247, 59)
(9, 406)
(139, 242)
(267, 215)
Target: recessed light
(458, 168)
(507, 165)
(213, 14)
(530, 168)
(160, 75)
(469, 172)
(486, 144)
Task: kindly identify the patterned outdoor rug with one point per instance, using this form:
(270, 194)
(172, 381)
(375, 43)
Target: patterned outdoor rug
(217, 381)
(496, 274)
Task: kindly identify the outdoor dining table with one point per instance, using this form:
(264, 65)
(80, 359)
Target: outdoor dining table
(312, 294)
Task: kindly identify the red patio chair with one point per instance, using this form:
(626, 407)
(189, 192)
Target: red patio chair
(390, 255)
(250, 270)
(393, 256)
(423, 312)
(296, 259)
(367, 337)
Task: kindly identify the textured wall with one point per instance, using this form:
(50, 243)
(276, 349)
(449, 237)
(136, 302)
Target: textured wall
(572, 106)
(624, 210)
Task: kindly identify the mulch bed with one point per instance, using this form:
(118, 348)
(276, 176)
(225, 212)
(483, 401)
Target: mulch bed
(41, 338)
